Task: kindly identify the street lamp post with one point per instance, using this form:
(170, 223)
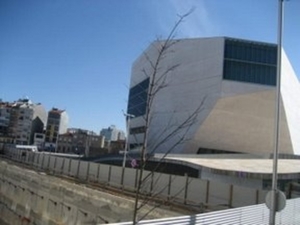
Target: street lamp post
(274, 192)
(128, 117)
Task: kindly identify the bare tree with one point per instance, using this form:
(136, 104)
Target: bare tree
(176, 133)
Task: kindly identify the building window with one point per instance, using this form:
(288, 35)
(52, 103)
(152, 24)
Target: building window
(250, 62)
(138, 130)
(138, 98)
(39, 136)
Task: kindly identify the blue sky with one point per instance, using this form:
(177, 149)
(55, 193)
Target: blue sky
(77, 54)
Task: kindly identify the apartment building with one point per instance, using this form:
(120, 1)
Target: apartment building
(57, 123)
(79, 141)
(19, 120)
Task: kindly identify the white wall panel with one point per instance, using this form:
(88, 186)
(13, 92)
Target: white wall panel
(59, 164)
(74, 167)
(219, 193)
(130, 178)
(45, 161)
(116, 174)
(67, 166)
(290, 92)
(197, 77)
(147, 183)
(262, 196)
(36, 158)
(160, 184)
(92, 176)
(197, 190)
(104, 172)
(243, 196)
(83, 170)
(52, 162)
(178, 188)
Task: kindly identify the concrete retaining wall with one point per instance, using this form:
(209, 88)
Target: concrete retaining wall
(29, 197)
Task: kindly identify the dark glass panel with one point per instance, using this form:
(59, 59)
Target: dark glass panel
(250, 62)
(138, 98)
(249, 72)
(250, 51)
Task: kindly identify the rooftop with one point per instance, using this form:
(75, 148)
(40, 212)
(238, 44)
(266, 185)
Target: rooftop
(254, 166)
(264, 166)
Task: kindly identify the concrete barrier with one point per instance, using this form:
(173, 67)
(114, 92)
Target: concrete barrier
(29, 197)
(181, 189)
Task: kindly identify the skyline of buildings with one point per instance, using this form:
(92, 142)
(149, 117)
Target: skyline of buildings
(112, 133)
(23, 122)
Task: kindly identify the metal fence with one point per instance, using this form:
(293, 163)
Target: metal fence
(249, 215)
(173, 188)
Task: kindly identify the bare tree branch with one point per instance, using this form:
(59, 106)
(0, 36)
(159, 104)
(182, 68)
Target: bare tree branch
(157, 82)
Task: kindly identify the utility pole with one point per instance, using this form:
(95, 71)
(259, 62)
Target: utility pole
(128, 117)
(127, 147)
(275, 192)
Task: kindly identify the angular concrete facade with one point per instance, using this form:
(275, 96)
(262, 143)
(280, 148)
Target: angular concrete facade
(228, 85)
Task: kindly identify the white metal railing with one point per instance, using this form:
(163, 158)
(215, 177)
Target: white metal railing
(248, 215)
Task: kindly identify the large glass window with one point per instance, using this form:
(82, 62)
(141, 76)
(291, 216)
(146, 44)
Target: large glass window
(251, 62)
(138, 98)
(138, 130)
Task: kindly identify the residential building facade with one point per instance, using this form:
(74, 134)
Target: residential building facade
(79, 141)
(5, 108)
(19, 120)
(39, 140)
(57, 123)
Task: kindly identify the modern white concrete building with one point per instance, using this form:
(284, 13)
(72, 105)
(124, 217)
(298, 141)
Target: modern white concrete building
(226, 86)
